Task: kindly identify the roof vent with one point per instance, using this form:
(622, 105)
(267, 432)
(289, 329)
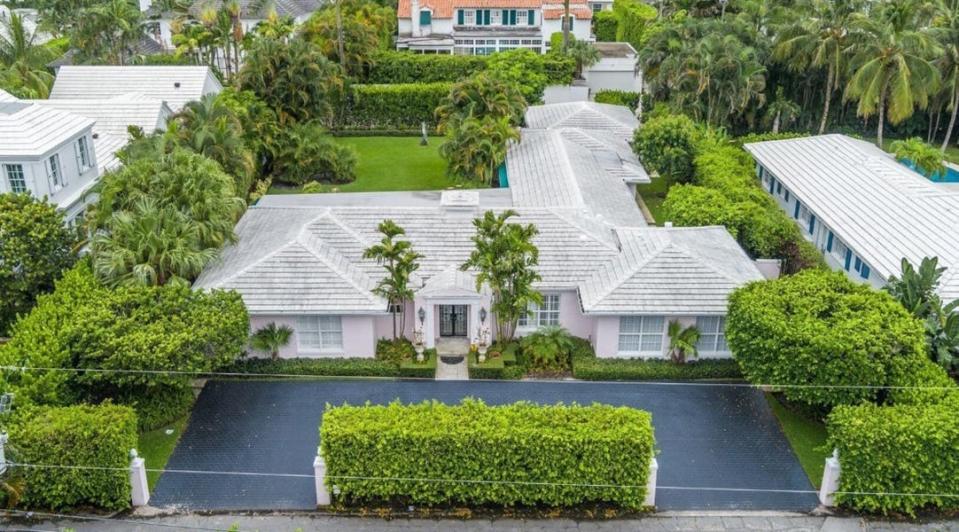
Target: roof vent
(176, 84)
(459, 202)
(95, 136)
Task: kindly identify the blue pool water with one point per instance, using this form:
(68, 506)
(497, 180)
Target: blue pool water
(951, 175)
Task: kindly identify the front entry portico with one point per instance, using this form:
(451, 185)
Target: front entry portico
(454, 320)
(448, 306)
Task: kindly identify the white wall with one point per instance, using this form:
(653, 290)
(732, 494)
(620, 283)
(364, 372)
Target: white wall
(613, 73)
(606, 339)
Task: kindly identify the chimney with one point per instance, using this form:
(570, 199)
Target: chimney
(415, 17)
(462, 204)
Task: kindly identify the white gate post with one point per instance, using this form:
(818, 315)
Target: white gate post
(830, 480)
(139, 488)
(651, 483)
(319, 474)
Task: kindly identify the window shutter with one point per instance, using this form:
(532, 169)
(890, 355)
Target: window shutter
(478, 17)
(531, 17)
(865, 271)
(796, 212)
(459, 16)
(858, 264)
(76, 154)
(570, 23)
(487, 21)
(812, 223)
(425, 18)
(787, 195)
(504, 17)
(829, 242)
(772, 185)
(848, 258)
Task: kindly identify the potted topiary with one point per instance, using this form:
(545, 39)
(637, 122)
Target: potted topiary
(418, 344)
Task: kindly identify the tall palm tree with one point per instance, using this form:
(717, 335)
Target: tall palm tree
(19, 43)
(481, 95)
(400, 261)
(947, 31)
(109, 31)
(892, 73)
(585, 55)
(782, 110)
(819, 38)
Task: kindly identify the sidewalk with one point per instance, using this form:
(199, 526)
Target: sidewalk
(660, 522)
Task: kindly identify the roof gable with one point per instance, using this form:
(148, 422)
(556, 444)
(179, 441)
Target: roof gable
(176, 85)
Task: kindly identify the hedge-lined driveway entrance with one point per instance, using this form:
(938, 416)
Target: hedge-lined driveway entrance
(708, 437)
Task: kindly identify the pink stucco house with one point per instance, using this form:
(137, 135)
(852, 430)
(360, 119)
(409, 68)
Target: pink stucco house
(606, 276)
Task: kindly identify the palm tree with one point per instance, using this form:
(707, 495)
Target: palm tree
(567, 21)
(479, 96)
(916, 288)
(782, 110)
(927, 160)
(271, 338)
(682, 341)
(585, 55)
(18, 44)
(891, 72)
(819, 39)
(947, 30)
(109, 31)
(399, 261)
(150, 246)
(477, 147)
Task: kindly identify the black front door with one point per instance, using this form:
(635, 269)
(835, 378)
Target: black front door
(453, 320)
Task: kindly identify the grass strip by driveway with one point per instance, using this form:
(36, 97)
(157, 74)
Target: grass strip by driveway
(806, 436)
(156, 446)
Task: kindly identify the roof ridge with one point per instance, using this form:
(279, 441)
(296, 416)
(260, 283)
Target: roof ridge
(353, 275)
(562, 213)
(629, 272)
(567, 165)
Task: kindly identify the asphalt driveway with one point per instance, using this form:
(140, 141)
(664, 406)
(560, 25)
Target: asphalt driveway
(708, 437)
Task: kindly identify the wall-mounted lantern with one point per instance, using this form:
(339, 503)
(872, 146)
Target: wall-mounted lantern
(483, 314)
(422, 315)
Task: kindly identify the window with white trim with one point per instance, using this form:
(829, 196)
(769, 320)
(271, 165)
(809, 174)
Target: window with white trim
(712, 334)
(84, 160)
(543, 315)
(324, 333)
(839, 250)
(54, 172)
(641, 334)
(15, 178)
(469, 17)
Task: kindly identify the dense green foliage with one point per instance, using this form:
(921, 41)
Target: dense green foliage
(587, 366)
(626, 98)
(399, 106)
(548, 348)
(926, 159)
(568, 446)
(667, 144)
(481, 96)
(407, 67)
(84, 324)
(399, 261)
(357, 27)
(307, 154)
(333, 367)
(634, 21)
(605, 26)
(818, 327)
(35, 248)
(475, 147)
(81, 435)
(895, 450)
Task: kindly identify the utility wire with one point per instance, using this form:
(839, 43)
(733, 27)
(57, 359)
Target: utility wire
(398, 378)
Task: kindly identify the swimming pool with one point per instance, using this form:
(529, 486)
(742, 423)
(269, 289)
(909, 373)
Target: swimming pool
(951, 175)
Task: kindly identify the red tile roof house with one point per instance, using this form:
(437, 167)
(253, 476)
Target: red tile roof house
(482, 27)
(606, 276)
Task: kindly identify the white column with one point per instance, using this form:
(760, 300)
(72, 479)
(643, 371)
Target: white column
(830, 480)
(139, 488)
(651, 483)
(415, 17)
(319, 474)
(429, 326)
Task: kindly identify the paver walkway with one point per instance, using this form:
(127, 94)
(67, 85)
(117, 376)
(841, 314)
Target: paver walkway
(719, 447)
(452, 365)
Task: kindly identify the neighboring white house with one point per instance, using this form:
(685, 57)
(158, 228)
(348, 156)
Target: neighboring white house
(175, 85)
(483, 27)
(615, 70)
(606, 276)
(47, 152)
(864, 210)
(252, 12)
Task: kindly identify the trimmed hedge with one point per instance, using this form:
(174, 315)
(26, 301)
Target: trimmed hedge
(620, 369)
(604, 26)
(82, 435)
(628, 98)
(400, 106)
(898, 449)
(407, 67)
(332, 367)
(818, 327)
(570, 446)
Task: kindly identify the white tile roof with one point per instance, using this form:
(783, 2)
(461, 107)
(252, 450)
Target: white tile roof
(114, 115)
(28, 130)
(176, 85)
(106, 147)
(6, 96)
(614, 119)
(678, 271)
(878, 207)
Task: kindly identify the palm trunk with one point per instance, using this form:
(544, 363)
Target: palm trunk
(882, 117)
(339, 34)
(393, 312)
(952, 119)
(776, 123)
(566, 24)
(825, 108)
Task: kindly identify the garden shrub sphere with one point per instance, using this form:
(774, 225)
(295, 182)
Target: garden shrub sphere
(80, 435)
(568, 447)
(820, 328)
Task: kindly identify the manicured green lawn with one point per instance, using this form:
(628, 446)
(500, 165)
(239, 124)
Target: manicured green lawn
(653, 196)
(806, 436)
(156, 446)
(392, 163)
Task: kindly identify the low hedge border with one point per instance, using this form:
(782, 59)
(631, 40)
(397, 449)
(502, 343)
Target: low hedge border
(591, 368)
(331, 367)
(566, 454)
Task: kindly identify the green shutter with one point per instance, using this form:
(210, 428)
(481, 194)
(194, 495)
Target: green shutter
(486, 17)
(504, 17)
(479, 17)
(459, 16)
(531, 17)
(570, 23)
(426, 18)
(512, 17)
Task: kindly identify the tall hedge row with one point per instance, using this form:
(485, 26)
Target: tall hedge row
(81, 435)
(578, 450)
(604, 26)
(819, 328)
(898, 459)
(407, 67)
(399, 106)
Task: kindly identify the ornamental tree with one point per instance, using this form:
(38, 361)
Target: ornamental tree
(476, 147)
(505, 260)
(399, 261)
(35, 248)
(481, 95)
(836, 341)
(668, 145)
